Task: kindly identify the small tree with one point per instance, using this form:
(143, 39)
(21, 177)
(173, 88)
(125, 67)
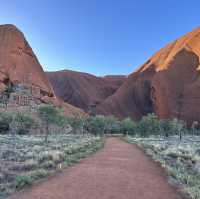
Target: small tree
(77, 123)
(24, 123)
(128, 126)
(49, 115)
(5, 120)
(97, 124)
(178, 126)
(194, 127)
(149, 125)
(166, 127)
(111, 124)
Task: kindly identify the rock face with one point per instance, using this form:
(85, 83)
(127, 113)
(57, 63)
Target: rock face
(83, 90)
(18, 63)
(22, 74)
(167, 84)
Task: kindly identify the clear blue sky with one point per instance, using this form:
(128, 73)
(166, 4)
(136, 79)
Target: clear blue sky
(99, 36)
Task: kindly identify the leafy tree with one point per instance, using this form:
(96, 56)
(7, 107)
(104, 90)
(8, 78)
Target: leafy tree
(49, 115)
(166, 127)
(128, 126)
(77, 123)
(112, 125)
(178, 126)
(97, 124)
(194, 127)
(5, 120)
(24, 122)
(149, 125)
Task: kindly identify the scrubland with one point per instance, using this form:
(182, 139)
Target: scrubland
(26, 159)
(181, 159)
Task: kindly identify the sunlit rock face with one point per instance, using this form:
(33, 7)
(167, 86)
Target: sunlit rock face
(18, 63)
(22, 79)
(167, 84)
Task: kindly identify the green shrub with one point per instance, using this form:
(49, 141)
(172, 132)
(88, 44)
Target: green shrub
(179, 127)
(22, 180)
(166, 127)
(128, 126)
(37, 174)
(77, 122)
(30, 164)
(50, 115)
(5, 120)
(112, 125)
(97, 124)
(48, 164)
(25, 123)
(149, 125)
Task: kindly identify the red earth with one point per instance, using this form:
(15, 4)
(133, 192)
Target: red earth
(118, 171)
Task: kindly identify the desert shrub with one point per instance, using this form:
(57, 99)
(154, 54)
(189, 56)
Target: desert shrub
(166, 127)
(30, 164)
(29, 178)
(26, 166)
(179, 127)
(48, 164)
(96, 125)
(149, 125)
(112, 125)
(128, 126)
(55, 156)
(24, 123)
(195, 127)
(49, 115)
(37, 174)
(22, 180)
(77, 122)
(5, 119)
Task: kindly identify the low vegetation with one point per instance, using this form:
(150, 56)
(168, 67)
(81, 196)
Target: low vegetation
(34, 146)
(175, 146)
(31, 158)
(181, 159)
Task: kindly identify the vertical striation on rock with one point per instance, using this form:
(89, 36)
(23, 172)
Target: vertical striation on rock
(166, 84)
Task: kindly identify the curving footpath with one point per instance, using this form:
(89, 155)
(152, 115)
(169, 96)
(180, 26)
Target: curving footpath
(118, 171)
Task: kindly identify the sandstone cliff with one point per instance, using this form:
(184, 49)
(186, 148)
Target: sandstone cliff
(167, 84)
(20, 70)
(83, 90)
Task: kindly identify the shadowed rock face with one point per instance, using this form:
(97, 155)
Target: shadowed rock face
(167, 84)
(18, 64)
(83, 90)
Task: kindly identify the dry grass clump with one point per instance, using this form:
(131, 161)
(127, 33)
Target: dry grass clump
(53, 155)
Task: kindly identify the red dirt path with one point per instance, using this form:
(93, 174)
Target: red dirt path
(119, 171)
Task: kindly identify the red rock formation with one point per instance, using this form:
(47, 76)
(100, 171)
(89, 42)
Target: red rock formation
(17, 60)
(82, 89)
(19, 65)
(167, 84)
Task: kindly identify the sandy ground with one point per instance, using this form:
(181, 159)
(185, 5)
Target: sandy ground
(118, 171)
